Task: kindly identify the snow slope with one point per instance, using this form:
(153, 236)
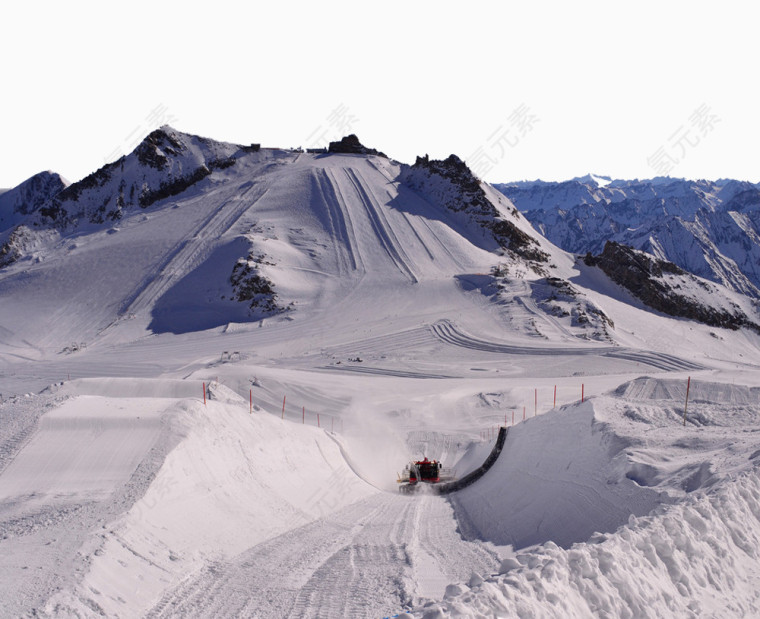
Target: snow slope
(411, 315)
(603, 549)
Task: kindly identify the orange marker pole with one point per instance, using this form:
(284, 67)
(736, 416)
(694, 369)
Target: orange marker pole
(283, 407)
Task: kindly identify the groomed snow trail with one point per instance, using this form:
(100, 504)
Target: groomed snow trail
(374, 558)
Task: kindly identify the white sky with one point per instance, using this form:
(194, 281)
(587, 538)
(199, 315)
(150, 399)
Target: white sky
(600, 86)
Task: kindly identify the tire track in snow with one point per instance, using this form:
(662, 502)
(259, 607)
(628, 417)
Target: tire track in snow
(435, 541)
(383, 372)
(380, 225)
(447, 332)
(531, 306)
(318, 570)
(451, 334)
(341, 230)
(184, 256)
(341, 212)
(373, 558)
(356, 580)
(662, 361)
(442, 246)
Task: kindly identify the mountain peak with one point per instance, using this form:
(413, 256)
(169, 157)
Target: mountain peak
(29, 196)
(594, 179)
(160, 144)
(350, 145)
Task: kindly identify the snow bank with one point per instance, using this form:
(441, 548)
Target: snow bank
(697, 558)
(594, 474)
(553, 482)
(234, 480)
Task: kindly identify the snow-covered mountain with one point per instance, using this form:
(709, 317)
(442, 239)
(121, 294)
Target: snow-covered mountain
(17, 203)
(711, 229)
(215, 358)
(217, 254)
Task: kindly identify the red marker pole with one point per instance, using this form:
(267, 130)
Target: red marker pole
(523, 413)
(319, 426)
(582, 387)
(283, 407)
(204, 394)
(303, 415)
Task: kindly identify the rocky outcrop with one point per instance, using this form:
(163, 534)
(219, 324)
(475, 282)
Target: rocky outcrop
(164, 164)
(12, 249)
(451, 183)
(28, 197)
(667, 288)
(252, 287)
(350, 145)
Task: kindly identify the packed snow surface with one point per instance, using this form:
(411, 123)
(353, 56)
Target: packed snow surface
(169, 451)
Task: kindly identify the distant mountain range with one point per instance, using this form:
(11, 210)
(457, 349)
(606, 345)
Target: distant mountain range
(709, 228)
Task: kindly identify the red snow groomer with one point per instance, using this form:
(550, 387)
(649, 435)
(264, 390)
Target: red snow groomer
(425, 471)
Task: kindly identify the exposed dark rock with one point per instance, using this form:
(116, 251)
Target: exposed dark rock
(456, 170)
(12, 249)
(221, 164)
(97, 179)
(352, 146)
(642, 275)
(744, 200)
(173, 187)
(249, 285)
(690, 223)
(107, 193)
(153, 149)
(31, 194)
(473, 201)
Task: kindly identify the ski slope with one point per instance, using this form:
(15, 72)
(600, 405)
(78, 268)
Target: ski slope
(124, 494)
